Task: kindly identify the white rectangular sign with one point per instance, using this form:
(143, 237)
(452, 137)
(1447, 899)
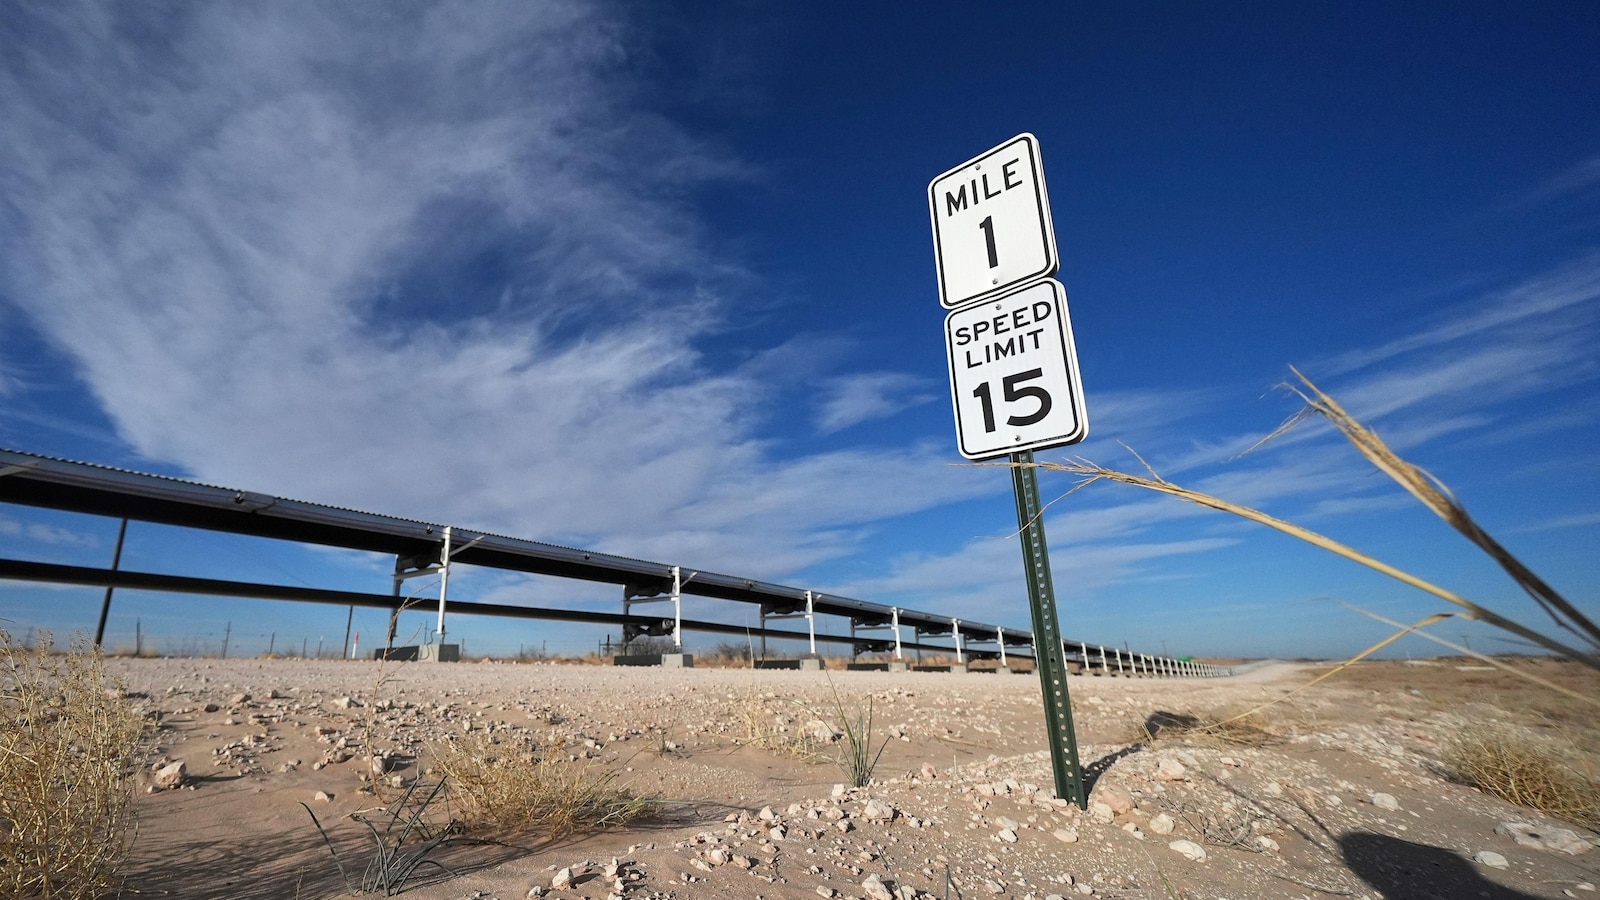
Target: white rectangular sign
(1014, 373)
(991, 223)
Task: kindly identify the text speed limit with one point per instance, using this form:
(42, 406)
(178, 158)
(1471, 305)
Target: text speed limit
(1014, 373)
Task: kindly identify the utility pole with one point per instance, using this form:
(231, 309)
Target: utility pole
(105, 607)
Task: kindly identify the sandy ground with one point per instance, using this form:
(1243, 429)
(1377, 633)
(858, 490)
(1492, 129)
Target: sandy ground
(1347, 799)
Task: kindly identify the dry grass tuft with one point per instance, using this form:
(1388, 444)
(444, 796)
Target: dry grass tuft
(1250, 729)
(519, 787)
(778, 732)
(1552, 776)
(69, 745)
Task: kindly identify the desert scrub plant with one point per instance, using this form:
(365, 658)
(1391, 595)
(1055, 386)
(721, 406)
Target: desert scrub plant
(406, 819)
(69, 746)
(515, 785)
(855, 754)
(1537, 772)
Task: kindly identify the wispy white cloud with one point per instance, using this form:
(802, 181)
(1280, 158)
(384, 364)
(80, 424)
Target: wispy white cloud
(44, 534)
(1581, 520)
(1574, 180)
(256, 233)
(1547, 307)
(853, 399)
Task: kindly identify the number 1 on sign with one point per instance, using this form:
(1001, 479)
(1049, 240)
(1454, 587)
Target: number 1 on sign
(987, 225)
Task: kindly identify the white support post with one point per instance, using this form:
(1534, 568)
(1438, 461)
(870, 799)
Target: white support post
(677, 609)
(894, 615)
(1117, 654)
(1000, 637)
(811, 623)
(1103, 667)
(1085, 649)
(444, 580)
(961, 653)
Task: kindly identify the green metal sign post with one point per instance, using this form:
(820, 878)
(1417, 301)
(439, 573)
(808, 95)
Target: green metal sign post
(1049, 657)
(1014, 383)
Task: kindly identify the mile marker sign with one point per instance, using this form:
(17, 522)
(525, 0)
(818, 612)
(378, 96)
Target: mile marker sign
(991, 223)
(1014, 373)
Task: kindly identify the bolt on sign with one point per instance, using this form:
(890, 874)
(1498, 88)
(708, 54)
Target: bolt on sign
(991, 223)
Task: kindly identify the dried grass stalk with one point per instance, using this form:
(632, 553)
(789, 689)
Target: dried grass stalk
(69, 744)
(1522, 768)
(1444, 504)
(518, 787)
(1091, 473)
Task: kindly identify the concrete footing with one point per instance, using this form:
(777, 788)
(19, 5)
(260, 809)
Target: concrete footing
(665, 660)
(420, 653)
(811, 664)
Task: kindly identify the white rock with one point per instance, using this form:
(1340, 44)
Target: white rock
(878, 811)
(1007, 835)
(1171, 770)
(1118, 798)
(821, 732)
(875, 889)
(1065, 835)
(323, 797)
(825, 891)
(1101, 813)
(563, 879)
(171, 775)
(767, 815)
(1267, 843)
(1563, 840)
(1385, 801)
(1189, 849)
(536, 891)
(1162, 824)
(1491, 859)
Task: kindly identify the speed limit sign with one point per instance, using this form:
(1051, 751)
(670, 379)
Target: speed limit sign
(1014, 373)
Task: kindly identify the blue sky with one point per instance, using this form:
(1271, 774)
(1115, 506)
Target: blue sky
(658, 279)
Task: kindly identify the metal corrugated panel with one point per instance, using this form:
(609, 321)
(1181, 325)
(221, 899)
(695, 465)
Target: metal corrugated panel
(35, 480)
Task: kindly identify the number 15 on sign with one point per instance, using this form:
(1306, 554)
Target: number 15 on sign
(1014, 373)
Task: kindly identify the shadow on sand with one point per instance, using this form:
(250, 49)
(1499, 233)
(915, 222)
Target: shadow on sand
(1397, 868)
